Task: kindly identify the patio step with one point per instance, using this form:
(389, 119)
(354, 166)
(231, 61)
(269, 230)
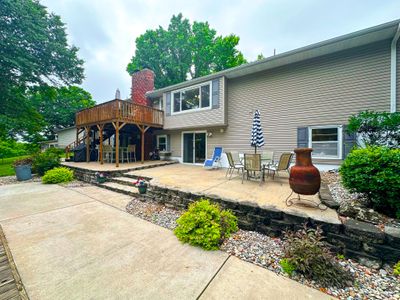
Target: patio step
(132, 175)
(120, 188)
(123, 180)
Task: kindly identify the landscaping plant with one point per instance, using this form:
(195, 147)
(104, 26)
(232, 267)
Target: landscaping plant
(58, 175)
(205, 225)
(377, 128)
(374, 171)
(306, 252)
(287, 266)
(45, 161)
(396, 269)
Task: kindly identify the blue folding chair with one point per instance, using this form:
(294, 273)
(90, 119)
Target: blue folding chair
(215, 161)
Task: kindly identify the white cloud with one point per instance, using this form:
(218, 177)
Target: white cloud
(105, 30)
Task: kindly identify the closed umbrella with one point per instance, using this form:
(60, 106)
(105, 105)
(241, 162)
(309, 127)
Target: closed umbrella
(257, 136)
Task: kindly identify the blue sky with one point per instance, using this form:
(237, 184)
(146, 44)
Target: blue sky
(105, 30)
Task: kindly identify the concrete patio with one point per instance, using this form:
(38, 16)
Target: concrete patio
(78, 243)
(196, 179)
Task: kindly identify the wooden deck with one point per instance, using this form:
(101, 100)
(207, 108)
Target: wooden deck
(10, 283)
(120, 111)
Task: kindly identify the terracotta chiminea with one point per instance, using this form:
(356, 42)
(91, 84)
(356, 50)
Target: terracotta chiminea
(304, 177)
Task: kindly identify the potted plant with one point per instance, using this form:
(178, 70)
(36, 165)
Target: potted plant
(141, 185)
(100, 177)
(23, 169)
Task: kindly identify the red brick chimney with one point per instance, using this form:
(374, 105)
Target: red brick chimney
(142, 82)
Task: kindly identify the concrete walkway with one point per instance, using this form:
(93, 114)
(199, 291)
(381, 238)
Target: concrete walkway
(78, 243)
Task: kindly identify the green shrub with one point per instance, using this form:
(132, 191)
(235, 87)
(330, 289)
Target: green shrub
(56, 151)
(58, 175)
(205, 225)
(45, 161)
(374, 171)
(396, 269)
(10, 148)
(308, 254)
(376, 128)
(287, 267)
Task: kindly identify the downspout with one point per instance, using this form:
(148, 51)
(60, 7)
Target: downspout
(393, 68)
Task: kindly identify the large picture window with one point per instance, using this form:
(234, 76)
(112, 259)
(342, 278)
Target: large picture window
(326, 141)
(192, 98)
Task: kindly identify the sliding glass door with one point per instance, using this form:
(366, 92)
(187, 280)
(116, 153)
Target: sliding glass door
(194, 147)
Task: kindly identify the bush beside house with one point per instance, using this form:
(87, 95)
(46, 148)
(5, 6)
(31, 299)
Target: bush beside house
(205, 225)
(58, 175)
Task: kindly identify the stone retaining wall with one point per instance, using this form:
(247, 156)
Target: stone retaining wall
(355, 239)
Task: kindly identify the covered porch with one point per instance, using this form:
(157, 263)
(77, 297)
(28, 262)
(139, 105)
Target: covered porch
(116, 131)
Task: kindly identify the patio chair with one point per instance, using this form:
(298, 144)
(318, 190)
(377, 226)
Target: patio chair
(108, 153)
(131, 150)
(267, 157)
(282, 165)
(236, 157)
(215, 161)
(253, 167)
(232, 165)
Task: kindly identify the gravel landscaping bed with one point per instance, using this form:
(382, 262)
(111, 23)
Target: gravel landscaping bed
(5, 180)
(154, 212)
(266, 252)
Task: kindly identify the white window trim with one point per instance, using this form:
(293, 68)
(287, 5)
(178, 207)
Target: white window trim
(160, 103)
(195, 131)
(339, 142)
(191, 88)
(166, 141)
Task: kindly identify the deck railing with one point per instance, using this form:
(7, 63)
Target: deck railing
(120, 110)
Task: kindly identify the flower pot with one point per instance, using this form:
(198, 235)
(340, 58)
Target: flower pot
(304, 176)
(142, 189)
(101, 179)
(23, 172)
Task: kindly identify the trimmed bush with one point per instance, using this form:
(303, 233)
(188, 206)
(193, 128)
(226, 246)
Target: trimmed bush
(57, 151)
(374, 171)
(45, 161)
(205, 225)
(396, 269)
(306, 252)
(58, 175)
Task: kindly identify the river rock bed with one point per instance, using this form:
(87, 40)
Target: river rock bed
(266, 252)
(5, 180)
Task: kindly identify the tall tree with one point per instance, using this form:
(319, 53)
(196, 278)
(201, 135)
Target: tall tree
(58, 106)
(33, 51)
(184, 51)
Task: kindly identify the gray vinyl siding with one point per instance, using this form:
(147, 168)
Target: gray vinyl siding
(200, 118)
(322, 91)
(66, 137)
(398, 77)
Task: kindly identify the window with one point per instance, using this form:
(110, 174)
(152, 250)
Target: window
(192, 98)
(326, 141)
(158, 103)
(162, 143)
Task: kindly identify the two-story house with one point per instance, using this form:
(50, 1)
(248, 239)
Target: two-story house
(305, 97)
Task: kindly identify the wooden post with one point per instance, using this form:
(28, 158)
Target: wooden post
(77, 136)
(116, 126)
(87, 130)
(142, 131)
(142, 142)
(100, 127)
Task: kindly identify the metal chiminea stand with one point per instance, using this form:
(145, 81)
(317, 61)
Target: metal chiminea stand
(304, 179)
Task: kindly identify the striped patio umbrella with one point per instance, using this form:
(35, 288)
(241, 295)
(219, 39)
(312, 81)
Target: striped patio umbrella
(257, 136)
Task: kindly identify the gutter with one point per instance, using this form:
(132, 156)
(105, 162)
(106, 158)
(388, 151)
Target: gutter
(393, 69)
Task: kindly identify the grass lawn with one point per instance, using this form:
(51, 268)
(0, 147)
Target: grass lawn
(6, 168)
